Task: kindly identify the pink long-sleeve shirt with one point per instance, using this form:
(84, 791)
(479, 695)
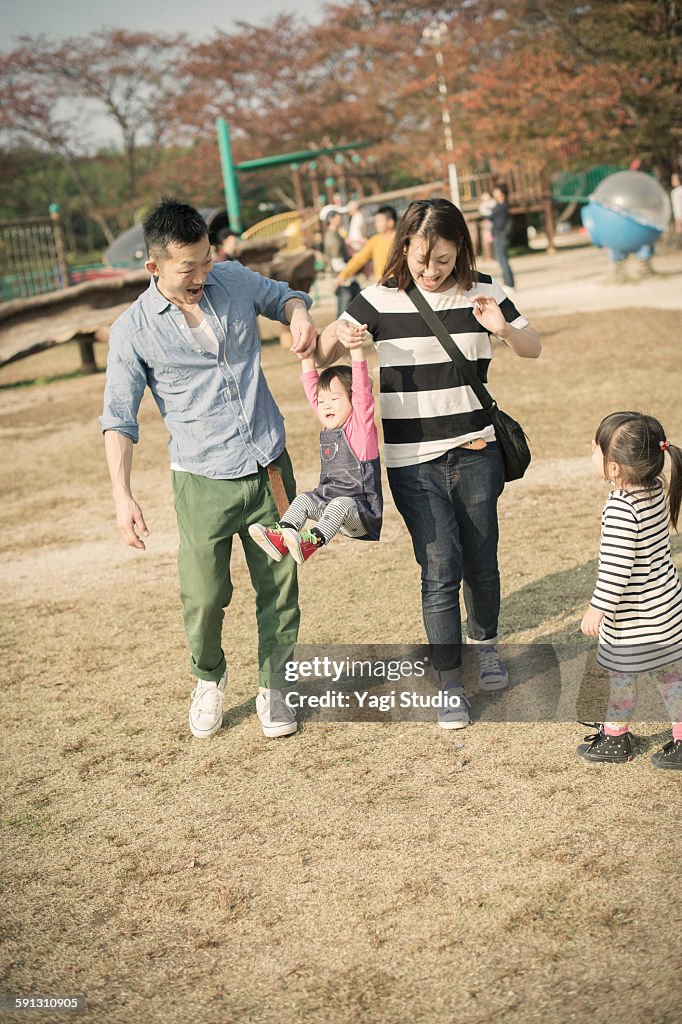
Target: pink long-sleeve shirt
(360, 428)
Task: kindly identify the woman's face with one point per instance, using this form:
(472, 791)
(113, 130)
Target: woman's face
(433, 276)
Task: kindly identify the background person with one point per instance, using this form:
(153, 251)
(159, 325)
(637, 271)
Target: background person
(336, 254)
(444, 466)
(356, 227)
(192, 337)
(500, 229)
(375, 248)
(227, 247)
(676, 203)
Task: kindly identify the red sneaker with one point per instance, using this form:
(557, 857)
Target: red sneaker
(301, 545)
(270, 539)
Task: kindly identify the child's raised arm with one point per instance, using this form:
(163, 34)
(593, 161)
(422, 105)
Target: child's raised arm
(309, 379)
(361, 430)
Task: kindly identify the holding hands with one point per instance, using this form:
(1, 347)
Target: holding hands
(350, 335)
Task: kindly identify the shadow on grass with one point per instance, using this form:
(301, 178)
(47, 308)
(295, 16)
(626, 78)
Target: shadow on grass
(535, 693)
(39, 381)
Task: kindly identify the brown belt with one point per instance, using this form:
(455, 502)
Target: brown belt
(277, 488)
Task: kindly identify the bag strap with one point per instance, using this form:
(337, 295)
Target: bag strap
(441, 332)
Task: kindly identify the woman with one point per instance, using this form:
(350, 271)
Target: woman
(444, 465)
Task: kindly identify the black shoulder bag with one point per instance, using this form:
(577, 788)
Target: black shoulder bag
(510, 435)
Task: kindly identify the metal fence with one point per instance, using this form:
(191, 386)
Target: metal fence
(31, 258)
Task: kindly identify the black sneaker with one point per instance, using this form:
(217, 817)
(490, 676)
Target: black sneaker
(602, 748)
(670, 756)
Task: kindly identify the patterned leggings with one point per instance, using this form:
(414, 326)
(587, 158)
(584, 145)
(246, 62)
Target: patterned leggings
(624, 689)
(340, 515)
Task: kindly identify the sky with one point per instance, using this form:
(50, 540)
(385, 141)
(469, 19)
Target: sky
(198, 20)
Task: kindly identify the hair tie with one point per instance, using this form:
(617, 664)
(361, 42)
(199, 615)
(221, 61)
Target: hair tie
(663, 445)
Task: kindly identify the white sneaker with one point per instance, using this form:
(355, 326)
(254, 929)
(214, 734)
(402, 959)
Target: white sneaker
(455, 713)
(206, 710)
(276, 717)
(492, 671)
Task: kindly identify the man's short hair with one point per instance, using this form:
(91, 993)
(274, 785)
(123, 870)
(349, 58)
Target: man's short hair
(172, 223)
(502, 187)
(388, 211)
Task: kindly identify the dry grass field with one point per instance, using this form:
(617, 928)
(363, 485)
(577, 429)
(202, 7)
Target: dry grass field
(354, 872)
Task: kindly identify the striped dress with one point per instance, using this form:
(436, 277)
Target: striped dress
(426, 406)
(638, 587)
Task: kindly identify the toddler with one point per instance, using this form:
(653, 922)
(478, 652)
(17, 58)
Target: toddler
(636, 608)
(348, 498)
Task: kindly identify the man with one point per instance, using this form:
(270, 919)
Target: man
(500, 221)
(375, 248)
(192, 337)
(336, 254)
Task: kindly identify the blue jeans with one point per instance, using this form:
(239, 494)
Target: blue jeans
(450, 509)
(500, 249)
(345, 293)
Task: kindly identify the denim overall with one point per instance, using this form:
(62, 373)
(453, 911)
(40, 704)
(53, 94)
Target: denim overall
(343, 475)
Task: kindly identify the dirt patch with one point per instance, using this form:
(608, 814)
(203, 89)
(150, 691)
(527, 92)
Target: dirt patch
(355, 872)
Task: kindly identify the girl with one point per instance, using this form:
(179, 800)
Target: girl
(636, 608)
(444, 466)
(348, 497)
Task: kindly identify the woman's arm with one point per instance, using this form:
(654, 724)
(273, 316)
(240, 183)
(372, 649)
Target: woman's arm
(524, 341)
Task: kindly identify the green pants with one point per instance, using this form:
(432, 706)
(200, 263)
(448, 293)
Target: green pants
(210, 512)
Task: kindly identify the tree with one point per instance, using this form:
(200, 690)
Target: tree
(52, 95)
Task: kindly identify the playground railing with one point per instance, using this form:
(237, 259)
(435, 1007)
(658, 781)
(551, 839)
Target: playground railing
(286, 224)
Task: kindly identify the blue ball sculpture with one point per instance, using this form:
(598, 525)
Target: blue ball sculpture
(627, 210)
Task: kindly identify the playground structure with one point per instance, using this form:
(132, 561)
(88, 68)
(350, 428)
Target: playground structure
(32, 252)
(32, 258)
(529, 193)
(627, 211)
(85, 312)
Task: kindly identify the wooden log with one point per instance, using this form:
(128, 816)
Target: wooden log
(87, 351)
(86, 311)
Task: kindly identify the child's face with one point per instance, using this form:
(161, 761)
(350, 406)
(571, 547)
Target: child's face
(333, 406)
(598, 460)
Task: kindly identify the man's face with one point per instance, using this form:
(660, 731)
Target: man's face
(383, 223)
(182, 271)
(498, 195)
(334, 221)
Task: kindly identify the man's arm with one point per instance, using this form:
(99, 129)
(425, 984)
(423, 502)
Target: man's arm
(119, 452)
(303, 330)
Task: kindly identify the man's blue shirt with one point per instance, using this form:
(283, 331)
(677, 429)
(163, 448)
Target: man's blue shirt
(222, 419)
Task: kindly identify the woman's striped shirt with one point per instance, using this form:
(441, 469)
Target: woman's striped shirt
(638, 588)
(426, 406)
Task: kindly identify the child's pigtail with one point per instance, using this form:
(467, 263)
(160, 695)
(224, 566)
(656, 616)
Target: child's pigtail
(675, 487)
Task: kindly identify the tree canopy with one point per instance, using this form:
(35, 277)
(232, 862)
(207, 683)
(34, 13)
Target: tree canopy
(127, 116)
